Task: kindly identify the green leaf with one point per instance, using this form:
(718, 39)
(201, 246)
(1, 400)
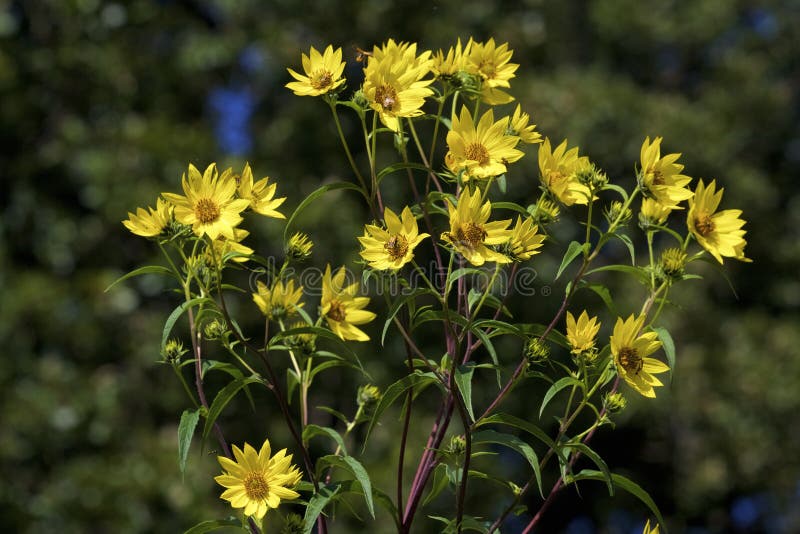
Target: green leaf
(512, 442)
(638, 272)
(480, 334)
(555, 388)
(215, 524)
(464, 271)
(223, 398)
(316, 504)
(668, 344)
(603, 292)
(315, 195)
(440, 482)
(522, 424)
(399, 167)
(625, 483)
(354, 467)
(501, 183)
(147, 269)
(510, 206)
(185, 432)
(628, 243)
(598, 461)
(573, 251)
(463, 379)
(315, 430)
(398, 304)
(175, 315)
(394, 391)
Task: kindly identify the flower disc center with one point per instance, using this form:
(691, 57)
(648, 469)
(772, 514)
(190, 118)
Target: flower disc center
(206, 210)
(255, 485)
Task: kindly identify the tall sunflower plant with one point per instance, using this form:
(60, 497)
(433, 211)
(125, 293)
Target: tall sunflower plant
(458, 244)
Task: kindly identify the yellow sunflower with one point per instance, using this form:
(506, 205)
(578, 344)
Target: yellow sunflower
(491, 63)
(518, 125)
(450, 64)
(660, 177)
(581, 334)
(256, 482)
(630, 350)
(720, 233)
(524, 241)
(393, 82)
(393, 247)
(558, 170)
(279, 301)
(470, 233)
(150, 223)
(209, 206)
(648, 530)
(260, 194)
(341, 308)
(224, 246)
(653, 212)
(481, 151)
(323, 73)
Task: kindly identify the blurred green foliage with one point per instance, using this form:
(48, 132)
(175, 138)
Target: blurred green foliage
(104, 103)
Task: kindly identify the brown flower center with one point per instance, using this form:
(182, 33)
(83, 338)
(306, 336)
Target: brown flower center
(320, 79)
(386, 96)
(396, 247)
(658, 176)
(471, 235)
(477, 152)
(487, 68)
(337, 311)
(206, 210)
(704, 225)
(629, 359)
(255, 486)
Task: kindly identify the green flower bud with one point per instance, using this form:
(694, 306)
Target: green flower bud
(536, 351)
(173, 351)
(614, 402)
(368, 394)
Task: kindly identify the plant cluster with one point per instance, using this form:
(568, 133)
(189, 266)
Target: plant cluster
(413, 106)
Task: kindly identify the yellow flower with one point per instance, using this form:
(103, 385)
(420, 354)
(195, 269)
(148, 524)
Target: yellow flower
(470, 232)
(152, 222)
(279, 301)
(323, 73)
(660, 177)
(256, 482)
(393, 247)
(524, 241)
(299, 247)
(630, 350)
(341, 308)
(653, 212)
(720, 233)
(393, 83)
(558, 170)
(518, 125)
(224, 246)
(492, 64)
(647, 529)
(209, 206)
(260, 194)
(582, 333)
(450, 64)
(483, 151)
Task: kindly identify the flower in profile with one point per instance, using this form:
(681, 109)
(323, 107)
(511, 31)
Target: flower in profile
(299, 247)
(256, 482)
(394, 84)
(209, 206)
(150, 222)
(491, 62)
(222, 247)
(279, 301)
(449, 64)
(648, 530)
(341, 308)
(481, 151)
(719, 232)
(653, 212)
(518, 125)
(660, 177)
(323, 73)
(558, 170)
(581, 334)
(393, 247)
(524, 241)
(545, 211)
(631, 350)
(261, 194)
(470, 233)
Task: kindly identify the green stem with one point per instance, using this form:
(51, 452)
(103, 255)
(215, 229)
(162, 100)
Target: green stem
(346, 147)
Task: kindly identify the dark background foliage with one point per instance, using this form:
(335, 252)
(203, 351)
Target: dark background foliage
(102, 104)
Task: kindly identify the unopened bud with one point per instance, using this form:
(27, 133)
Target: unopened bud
(536, 350)
(615, 402)
(173, 351)
(615, 211)
(368, 394)
(299, 246)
